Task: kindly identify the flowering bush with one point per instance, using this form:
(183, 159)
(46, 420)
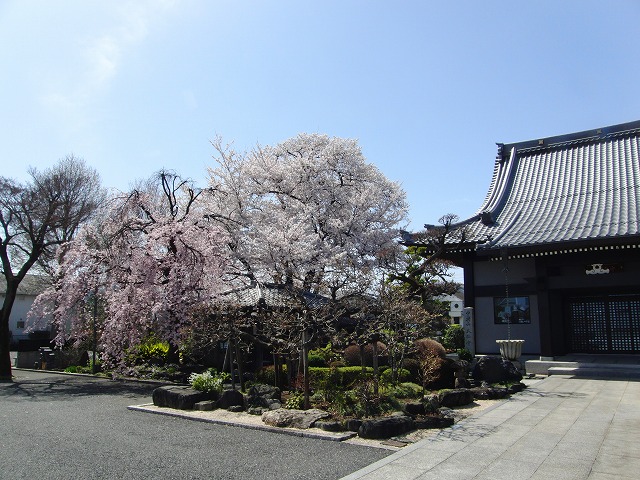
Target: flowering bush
(208, 381)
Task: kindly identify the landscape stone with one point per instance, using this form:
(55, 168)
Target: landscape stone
(456, 398)
(352, 424)
(231, 398)
(461, 374)
(414, 408)
(386, 427)
(328, 425)
(516, 387)
(444, 377)
(495, 370)
(489, 393)
(446, 412)
(256, 410)
(181, 397)
(284, 417)
(265, 396)
(235, 408)
(431, 402)
(205, 406)
(433, 421)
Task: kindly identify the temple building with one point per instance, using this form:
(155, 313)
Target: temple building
(553, 253)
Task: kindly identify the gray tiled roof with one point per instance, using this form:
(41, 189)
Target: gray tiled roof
(572, 188)
(270, 295)
(30, 285)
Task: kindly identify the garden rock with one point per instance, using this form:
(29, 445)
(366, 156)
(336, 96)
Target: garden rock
(495, 370)
(432, 421)
(180, 397)
(414, 408)
(489, 393)
(447, 412)
(265, 396)
(230, 398)
(205, 406)
(386, 427)
(352, 424)
(235, 408)
(461, 374)
(256, 410)
(456, 398)
(328, 425)
(284, 417)
(516, 387)
(431, 402)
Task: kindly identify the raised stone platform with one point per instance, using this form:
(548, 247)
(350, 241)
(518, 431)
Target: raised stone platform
(615, 366)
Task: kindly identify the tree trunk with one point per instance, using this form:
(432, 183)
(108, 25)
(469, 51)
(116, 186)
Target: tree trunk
(240, 369)
(277, 371)
(231, 369)
(375, 367)
(305, 369)
(5, 343)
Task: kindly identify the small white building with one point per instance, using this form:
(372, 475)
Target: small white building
(28, 290)
(456, 305)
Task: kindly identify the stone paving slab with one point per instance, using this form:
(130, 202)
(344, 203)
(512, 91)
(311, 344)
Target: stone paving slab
(559, 428)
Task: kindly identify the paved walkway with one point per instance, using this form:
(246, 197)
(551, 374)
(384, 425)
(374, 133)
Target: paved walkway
(559, 428)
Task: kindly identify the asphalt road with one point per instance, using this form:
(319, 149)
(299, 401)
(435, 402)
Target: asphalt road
(60, 426)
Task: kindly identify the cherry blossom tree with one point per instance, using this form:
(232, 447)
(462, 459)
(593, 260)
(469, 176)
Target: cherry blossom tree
(152, 258)
(309, 214)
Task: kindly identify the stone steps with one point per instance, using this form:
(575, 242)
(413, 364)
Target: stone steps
(597, 370)
(583, 369)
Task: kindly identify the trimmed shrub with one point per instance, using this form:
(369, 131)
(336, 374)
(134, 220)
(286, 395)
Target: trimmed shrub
(427, 347)
(352, 355)
(437, 371)
(453, 337)
(406, 390)
(464, 354)
(316, 360)
(403, 375)
(341, 377)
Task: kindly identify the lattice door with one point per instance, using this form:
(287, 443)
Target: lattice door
(588, 319)
(605, 325)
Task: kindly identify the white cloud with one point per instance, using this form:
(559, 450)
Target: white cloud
(103, 53)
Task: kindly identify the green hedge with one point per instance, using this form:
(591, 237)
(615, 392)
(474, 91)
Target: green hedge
(344, 377)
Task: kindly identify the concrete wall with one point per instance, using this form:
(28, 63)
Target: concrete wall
(487, 332)
(491, 274)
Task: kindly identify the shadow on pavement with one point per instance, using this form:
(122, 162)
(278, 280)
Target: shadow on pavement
(45, 386)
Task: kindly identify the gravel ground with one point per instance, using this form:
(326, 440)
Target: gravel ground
(254, 421)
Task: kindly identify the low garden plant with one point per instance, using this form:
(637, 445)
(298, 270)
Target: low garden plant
(209, 381)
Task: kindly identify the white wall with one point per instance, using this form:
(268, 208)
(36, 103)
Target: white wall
(21, 307)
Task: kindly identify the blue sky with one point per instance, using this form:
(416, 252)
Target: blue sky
(426, 87)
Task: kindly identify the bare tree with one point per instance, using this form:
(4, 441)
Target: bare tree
(35, 218)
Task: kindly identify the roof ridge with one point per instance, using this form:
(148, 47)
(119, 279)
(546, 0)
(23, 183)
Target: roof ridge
(585, 136)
